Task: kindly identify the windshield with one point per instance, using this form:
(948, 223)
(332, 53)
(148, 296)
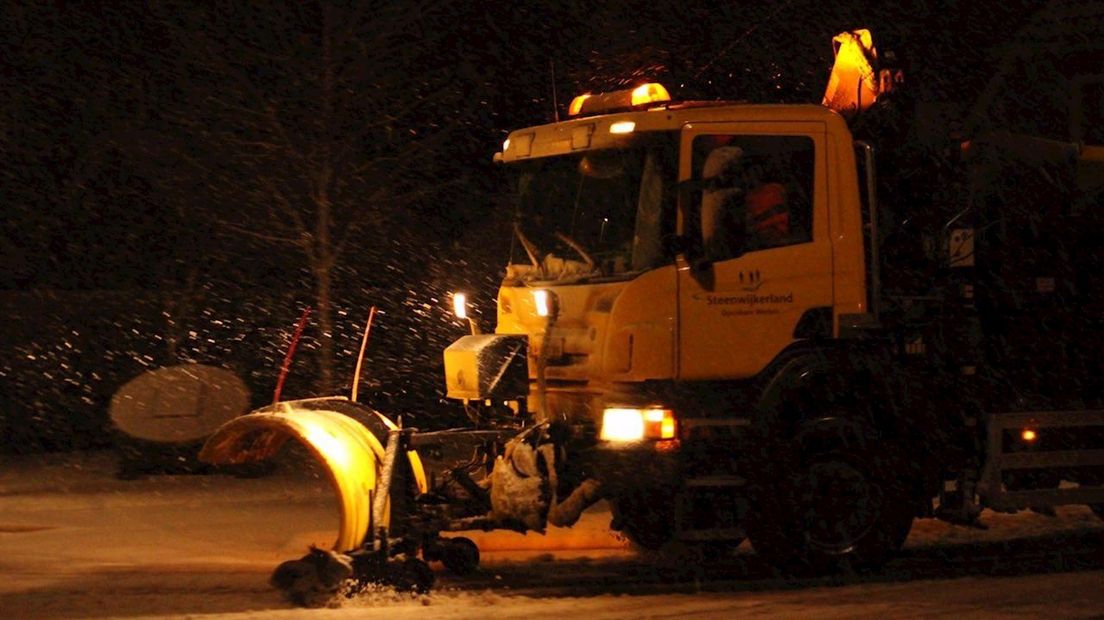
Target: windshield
(595, 213)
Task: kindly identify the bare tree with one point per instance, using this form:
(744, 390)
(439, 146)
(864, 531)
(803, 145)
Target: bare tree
(313, 127)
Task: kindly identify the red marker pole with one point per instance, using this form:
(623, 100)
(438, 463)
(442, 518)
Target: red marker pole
(290, 353)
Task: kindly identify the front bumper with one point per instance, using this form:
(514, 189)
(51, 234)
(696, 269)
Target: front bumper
(626, 467)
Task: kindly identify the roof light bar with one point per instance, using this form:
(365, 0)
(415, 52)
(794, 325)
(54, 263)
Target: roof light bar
(577, 105)
(588, 104)
(649, 93)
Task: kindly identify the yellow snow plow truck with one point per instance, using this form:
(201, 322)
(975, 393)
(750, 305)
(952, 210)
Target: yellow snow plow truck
(712, 320)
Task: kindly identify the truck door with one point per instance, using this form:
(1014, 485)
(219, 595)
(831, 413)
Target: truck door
(756, 218)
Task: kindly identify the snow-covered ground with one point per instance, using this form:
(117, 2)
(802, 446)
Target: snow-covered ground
(77, 543)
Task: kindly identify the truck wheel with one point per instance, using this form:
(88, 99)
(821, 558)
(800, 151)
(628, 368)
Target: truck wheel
(823, 505)
(460, 556)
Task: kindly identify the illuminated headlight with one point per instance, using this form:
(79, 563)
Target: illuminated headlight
(626, 424)
(543, 301)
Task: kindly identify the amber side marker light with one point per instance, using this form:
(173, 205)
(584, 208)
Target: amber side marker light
(1029, 435)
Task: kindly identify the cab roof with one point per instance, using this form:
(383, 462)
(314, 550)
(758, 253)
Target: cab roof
(611, 130)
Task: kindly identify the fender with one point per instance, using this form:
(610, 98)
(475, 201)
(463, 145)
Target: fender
(350, 453)
(805, 380)
(792, 370)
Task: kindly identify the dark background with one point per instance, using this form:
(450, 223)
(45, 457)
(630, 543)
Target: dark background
(176, 181)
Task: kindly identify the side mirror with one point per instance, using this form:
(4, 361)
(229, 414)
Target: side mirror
(722, 224)
(732, 240)
(690, 244)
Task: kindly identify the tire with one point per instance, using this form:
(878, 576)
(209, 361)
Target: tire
(460, 556)
(314, 579)
(832, 499)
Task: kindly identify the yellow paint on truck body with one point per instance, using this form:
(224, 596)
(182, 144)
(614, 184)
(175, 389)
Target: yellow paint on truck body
(663, 324)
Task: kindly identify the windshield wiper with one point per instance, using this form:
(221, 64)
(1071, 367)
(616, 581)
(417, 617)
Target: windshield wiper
(574, 245)
(530, 249)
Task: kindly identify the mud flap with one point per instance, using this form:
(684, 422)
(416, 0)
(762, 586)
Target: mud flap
(349, 452)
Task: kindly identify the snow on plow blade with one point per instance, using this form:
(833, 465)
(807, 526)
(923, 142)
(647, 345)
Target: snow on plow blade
(348, 450)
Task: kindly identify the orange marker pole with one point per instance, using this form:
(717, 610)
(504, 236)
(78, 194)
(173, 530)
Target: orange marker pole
(360, 357)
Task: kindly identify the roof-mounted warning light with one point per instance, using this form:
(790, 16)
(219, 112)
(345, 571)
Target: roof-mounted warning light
(588, 104)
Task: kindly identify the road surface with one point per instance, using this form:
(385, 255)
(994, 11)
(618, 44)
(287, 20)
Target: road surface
(77, 543)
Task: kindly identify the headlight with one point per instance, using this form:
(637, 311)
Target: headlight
(627, 424)
(542, 300)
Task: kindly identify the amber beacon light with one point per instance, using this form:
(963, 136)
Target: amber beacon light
(643, 95)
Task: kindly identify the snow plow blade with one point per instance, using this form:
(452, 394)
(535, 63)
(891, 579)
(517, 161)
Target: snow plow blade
(349, 451)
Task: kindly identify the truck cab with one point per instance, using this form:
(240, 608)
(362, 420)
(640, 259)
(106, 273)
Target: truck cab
(668, 258)
(637, 270)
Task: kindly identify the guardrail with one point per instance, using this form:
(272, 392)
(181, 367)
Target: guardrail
(991, 488)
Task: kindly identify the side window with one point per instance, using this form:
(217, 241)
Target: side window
(757, 192)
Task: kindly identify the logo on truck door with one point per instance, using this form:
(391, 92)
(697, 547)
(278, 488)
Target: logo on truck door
(750, 300)
(746, 304)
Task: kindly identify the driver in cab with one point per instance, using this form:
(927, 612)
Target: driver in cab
(742, 209)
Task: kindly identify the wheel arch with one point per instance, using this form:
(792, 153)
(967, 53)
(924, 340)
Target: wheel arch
(874, 394)
(804, 379)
